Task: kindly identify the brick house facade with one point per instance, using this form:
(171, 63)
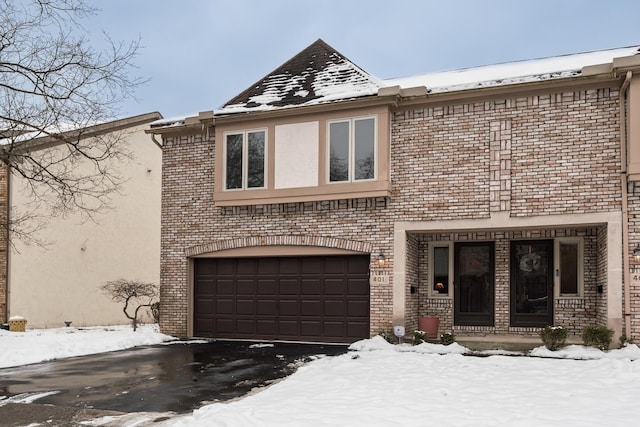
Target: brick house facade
(497, 207)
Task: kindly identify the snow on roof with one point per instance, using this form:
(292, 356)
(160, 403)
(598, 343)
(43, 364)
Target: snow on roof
(512, 72)
(25, 133)
(318, 74)
(171, 121)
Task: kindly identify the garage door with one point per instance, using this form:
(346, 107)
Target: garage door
(317, 299)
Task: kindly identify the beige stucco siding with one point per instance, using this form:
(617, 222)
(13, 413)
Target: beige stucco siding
(61, 281)
(296, 155)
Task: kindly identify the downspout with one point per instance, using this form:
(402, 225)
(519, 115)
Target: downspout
(625, 208)
(155, 141)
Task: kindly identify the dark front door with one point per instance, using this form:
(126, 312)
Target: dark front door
(474, 284)
(316, 298)
(532, 283)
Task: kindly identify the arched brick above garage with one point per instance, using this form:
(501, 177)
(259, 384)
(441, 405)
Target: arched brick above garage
(318, 244)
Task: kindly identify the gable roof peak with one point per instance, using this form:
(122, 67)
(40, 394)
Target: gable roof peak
(317, 74)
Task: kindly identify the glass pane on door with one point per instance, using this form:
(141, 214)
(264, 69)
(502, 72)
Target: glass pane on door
(474, 283)
(532, 283)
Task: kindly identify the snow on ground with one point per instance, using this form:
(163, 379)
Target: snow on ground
(38, 345)
(379, 384)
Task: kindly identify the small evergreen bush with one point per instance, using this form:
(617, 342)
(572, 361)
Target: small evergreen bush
(624, 341)
(419, 337)
(597, 336)
(447, 338)
(553, 337)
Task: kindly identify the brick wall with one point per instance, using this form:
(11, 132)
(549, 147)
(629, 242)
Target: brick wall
(556, 153)
(187, 199)
(189, 220)
(537, 155)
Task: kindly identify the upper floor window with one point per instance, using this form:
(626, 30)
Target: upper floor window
(352, 150)
(244, 155)
(330, 155)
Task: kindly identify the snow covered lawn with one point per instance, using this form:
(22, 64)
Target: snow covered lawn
(379, 384)
(386, 385)
(38, 345)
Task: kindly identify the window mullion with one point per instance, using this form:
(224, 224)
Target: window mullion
(352, 150)
(245, 160)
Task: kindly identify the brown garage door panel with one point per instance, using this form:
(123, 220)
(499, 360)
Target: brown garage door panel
(289, 328)
(267, 307)
(311, 286)
(289, 286)
(310, 307)
(267, 286)
(205, 306)
(334, 308)
(245, 326)
(289, 307)
(358, 286)
(266, 328)
(224, 325)
(225, 286)
(246, 306)
(358, 309)
(204, 324)
(358, 328)
(246, 287)
(207, 286)
(322, 299)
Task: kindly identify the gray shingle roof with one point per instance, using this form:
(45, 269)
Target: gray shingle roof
(317, 74)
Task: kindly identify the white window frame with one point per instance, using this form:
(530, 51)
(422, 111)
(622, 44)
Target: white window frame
(245, 159)
(352, 157)
(440, 244)
(556, 266)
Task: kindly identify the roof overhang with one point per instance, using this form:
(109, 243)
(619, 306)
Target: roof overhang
(88, 131)
(588, 77)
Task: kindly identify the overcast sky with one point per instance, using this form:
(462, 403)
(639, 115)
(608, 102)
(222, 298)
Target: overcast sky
(198, 54)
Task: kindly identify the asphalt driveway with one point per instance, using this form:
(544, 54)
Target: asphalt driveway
(162, 378)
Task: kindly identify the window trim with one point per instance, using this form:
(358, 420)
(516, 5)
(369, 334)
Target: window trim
(556, 267)
(440, 244)
(351, 153)
(245, 159)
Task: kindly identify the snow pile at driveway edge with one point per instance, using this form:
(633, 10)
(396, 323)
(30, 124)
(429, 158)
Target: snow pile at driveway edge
(375, 343)
(39, 345)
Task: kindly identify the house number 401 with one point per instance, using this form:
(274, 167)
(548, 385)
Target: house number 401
(379, 279)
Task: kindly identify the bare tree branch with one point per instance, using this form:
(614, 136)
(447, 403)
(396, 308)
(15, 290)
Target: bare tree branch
(140, 294)
(54, 86)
